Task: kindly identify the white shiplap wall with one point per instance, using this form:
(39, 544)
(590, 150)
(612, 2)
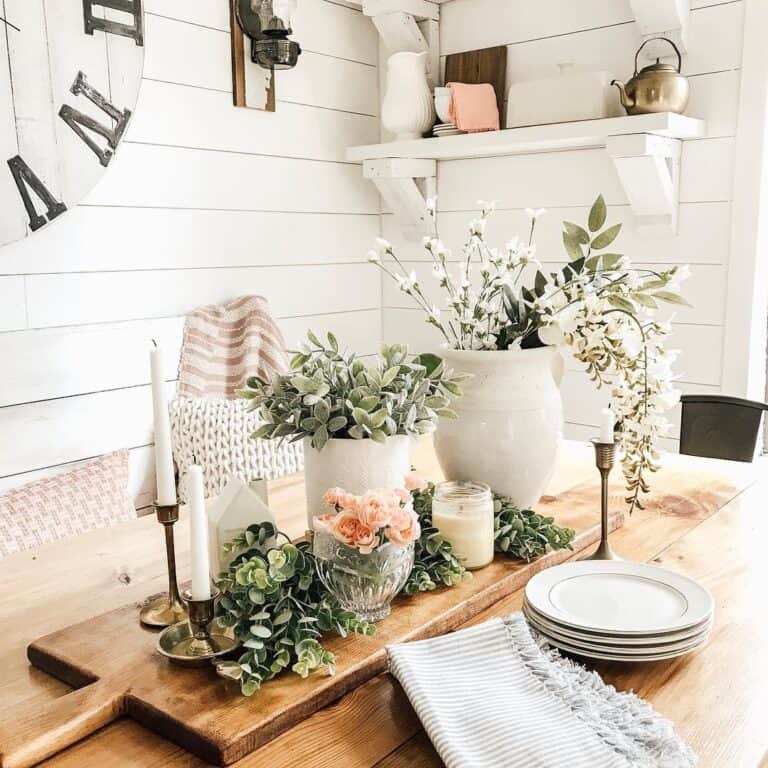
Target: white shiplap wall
(598, 34)
(203, 202)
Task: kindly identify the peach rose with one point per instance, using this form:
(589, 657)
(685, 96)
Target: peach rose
(375, 509)
(403, 495)
(331, 497)
(415, 482)
(345, 527)
(366, 539)
(404, 528)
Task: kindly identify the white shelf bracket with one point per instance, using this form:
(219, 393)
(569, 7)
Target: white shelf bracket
(649, 171)
(396, 181)
(408, 25)
(669, 18)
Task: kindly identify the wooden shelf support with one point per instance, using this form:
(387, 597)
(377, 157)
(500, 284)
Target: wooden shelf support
(648, 167)
(396, 181)
(408, 25)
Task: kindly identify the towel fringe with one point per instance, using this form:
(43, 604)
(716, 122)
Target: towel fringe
(624, 722)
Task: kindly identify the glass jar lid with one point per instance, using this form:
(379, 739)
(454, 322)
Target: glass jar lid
(463, 495)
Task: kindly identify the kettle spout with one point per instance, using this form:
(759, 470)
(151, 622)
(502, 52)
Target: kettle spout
(626, 101)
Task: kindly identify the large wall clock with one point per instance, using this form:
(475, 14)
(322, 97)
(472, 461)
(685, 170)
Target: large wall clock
(70, 72)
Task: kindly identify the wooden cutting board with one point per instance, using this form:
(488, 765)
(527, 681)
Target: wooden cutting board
(488, 65)
(112, 662)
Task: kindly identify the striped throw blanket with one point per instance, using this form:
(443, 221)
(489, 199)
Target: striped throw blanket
(491, 696)
(223, 345)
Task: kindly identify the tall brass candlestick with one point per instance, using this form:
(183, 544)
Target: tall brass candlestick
(167, 609)
(605, 453)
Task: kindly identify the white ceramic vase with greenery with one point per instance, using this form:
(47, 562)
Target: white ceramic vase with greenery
(357, 420)
(502, 321)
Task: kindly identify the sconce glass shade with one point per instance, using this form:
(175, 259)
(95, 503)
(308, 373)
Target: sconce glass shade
(268, 24)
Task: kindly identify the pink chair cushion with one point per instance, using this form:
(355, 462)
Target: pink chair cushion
(94, 495)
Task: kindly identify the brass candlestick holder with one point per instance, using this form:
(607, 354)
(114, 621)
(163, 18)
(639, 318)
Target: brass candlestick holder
(605, 454)
(195, 642)
(166, 609)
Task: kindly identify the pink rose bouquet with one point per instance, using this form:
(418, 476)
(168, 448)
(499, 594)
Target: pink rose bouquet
(367, 522)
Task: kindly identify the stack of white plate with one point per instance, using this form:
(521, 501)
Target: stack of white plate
(619, 611)
(446, 129)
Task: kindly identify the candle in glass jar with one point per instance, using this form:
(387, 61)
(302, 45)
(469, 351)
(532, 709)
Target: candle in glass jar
(463, 514)
(198, 522)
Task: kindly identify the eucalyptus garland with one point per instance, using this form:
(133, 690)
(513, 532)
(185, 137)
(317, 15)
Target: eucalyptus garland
(279, 609)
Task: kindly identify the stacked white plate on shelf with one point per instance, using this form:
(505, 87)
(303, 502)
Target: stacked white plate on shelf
(618, 610)
(446, 129)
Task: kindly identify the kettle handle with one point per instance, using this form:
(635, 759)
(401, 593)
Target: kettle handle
(677, 51)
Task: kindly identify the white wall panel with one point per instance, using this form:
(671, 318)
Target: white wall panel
(702, 236)
(205, 202)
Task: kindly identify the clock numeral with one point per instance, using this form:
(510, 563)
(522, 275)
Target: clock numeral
(26, 179)
(131, 7)
(77, 120)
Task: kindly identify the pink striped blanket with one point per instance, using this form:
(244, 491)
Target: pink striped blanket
(223, 345)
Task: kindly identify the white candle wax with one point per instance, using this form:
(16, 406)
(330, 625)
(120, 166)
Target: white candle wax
(607, 423)
(465, 519)
(198, 521)
(166, 482)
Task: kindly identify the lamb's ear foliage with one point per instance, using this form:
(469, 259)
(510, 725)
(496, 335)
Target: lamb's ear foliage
(331, 394)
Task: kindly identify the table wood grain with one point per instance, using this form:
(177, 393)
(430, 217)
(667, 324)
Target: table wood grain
(717, 698)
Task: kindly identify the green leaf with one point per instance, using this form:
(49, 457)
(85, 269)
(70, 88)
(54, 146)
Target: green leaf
(572, 247)
(671, 298)
(645, 300)
(333, 342)
(259, 630)
(337, 423)
(610, 260)
(621, 303)
(360, 416)
(604, 239)
(322, 411)
(580, 235)
(540, 283)
(597, 215)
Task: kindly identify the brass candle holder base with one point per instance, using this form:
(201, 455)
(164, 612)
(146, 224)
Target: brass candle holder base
(195, 642)
(167, 609)
(605, 454)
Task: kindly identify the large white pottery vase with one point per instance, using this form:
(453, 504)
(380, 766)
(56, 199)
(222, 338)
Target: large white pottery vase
(408, 110)
(355, 465)
(510, 421)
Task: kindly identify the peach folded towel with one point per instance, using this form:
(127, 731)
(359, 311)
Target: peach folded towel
(474, 107)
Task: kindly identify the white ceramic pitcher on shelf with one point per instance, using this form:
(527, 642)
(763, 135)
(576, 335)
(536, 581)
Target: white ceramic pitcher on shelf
(408, 110)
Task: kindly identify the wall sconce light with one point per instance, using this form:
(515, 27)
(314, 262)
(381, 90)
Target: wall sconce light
(268, 24)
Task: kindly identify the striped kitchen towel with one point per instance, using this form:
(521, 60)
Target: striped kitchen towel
(223, 345)
(492, 696)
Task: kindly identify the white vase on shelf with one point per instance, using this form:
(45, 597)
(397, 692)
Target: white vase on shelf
(408, 110)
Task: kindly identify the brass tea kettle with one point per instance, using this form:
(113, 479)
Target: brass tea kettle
(656, 88)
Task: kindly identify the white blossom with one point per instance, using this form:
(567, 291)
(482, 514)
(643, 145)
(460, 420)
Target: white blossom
(535, 213)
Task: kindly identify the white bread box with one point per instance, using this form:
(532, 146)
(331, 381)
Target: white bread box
(566, 97)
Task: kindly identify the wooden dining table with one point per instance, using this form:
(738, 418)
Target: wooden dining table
(716, 698)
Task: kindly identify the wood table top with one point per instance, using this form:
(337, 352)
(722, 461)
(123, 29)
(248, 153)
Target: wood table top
(717, 698)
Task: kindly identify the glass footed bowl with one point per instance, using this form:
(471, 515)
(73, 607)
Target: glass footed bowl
(365, 584)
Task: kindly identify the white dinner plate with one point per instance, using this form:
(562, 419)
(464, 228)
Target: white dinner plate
(623, 656)
(618, 597)
(636, 651)
(614, 639)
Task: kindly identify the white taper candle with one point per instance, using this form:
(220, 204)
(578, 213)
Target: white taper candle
(198, 520)
(166, 482)
(607, 424)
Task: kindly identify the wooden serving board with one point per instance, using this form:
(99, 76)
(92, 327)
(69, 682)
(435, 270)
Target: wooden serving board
(487, 65)
(112, 662)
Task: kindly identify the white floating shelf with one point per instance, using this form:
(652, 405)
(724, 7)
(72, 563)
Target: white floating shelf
(537, 138)
(645, 149)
